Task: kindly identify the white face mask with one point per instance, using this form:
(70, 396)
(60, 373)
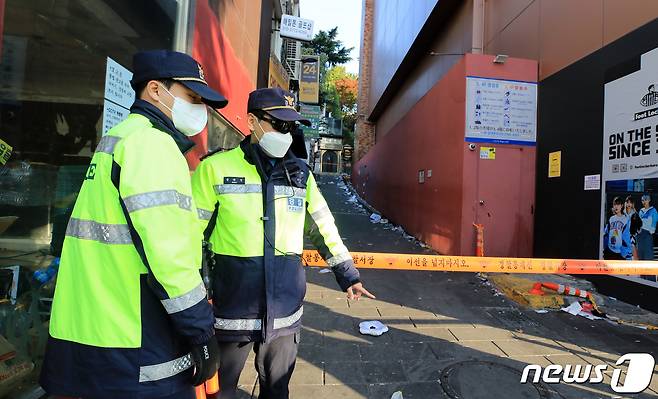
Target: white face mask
(189, 118)
(274, 144)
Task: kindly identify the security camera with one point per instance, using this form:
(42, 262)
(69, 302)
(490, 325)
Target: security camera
(471, 147)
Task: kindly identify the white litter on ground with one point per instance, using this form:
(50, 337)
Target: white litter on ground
(324, 270)
(397, 395)
(577, 310)
(541, 311)
(375, 218)
(372, 327)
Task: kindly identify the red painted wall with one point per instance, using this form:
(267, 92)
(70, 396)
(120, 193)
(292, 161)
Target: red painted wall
(431, 137)
(223, 70)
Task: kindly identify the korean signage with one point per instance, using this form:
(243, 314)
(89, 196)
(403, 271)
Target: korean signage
(296, 28)
(309, 81)
(119, 95)
(312, 113)
(501, 111)
(329, 143)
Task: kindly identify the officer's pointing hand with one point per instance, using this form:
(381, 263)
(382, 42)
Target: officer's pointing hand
(355, 291)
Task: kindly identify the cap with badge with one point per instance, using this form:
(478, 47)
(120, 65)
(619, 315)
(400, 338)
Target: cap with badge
(167, 64)
(276, 102)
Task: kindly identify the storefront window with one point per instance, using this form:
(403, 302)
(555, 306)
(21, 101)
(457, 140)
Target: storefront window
(52, 78)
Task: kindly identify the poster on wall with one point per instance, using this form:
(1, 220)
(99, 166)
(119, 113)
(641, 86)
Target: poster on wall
(501, 111)
(630, 163)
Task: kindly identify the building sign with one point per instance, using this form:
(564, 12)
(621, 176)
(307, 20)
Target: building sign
(278, 75)
(309, 81)
(312, 113)
(328, 143)
(296, 28)
(630, 153)
(119, 95)
(630, 123)
(501, 111)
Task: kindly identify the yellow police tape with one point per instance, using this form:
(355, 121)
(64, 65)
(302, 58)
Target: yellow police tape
(368, 260)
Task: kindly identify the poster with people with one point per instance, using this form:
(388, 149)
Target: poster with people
(630, 164)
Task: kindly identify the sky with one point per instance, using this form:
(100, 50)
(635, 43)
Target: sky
(346, 14)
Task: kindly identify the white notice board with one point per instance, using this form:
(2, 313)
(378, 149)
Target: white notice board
(501, 111)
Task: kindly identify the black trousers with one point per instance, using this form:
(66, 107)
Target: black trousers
(275, 362)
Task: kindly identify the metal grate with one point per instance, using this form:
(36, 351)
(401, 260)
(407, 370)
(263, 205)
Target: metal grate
(291, 51)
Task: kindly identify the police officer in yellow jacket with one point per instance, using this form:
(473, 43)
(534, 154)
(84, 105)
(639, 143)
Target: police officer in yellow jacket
(130, 318)
(254, 203)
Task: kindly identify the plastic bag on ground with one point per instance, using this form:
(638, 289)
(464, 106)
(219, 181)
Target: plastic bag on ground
(373, 327)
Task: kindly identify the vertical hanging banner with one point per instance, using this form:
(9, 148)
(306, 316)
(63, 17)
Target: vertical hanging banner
(630, 157)
(119, 95)
(309, 81)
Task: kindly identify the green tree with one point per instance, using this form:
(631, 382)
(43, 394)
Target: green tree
(341, 88)
(325, 42)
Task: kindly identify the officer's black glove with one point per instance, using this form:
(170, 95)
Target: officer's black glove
(205, 357)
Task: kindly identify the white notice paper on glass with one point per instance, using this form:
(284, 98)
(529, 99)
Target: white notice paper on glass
(117, 84)
(112, 115)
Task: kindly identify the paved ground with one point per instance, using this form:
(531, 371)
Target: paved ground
(450, 334)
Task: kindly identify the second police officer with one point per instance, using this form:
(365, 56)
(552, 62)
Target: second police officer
(256, 202)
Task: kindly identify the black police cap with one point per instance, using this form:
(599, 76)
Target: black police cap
(167, 64)
(278, 103)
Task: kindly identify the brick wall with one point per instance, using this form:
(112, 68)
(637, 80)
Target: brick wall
(364, 137)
